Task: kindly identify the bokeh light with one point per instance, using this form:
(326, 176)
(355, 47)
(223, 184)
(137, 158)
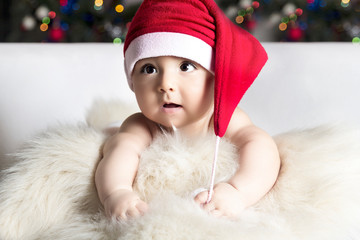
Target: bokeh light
(52, 14)
(293, 17)
(46, 20)
(356, 40)
(119, 8)
(256, 4)
(239, 19)
(63, 3)
(28, 22)
(44, 27)
(303, 25)
(41, 12)
(117, 41)
(242, 12)
(250, 10)
(299, 11)
(99, 3)
(64, 26)
(285, 20)
(282, 26)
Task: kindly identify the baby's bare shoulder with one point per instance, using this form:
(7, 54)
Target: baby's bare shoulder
(241, 127)
(135, 130)
(139, 124)
(136, 123)
(238, 121)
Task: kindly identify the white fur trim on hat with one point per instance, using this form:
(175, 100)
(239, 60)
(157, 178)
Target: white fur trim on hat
(167, 44)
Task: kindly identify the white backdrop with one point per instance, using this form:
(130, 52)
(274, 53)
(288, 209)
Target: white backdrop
(302, 85)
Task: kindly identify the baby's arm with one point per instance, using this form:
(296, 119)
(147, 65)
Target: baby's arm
(259, 167)
(116, 171)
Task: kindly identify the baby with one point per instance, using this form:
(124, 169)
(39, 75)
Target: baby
(188, 66)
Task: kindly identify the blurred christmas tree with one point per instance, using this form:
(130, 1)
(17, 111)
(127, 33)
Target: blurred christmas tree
(107, 20)
(70, 20)
(299, 20)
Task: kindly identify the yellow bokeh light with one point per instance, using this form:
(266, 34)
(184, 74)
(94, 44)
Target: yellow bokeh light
(345, 1)
(239, 19)
(119, 8)
(283, 26)
(99, 3)
(44, 27)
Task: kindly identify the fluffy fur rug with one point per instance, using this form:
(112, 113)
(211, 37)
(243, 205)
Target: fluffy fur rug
(50, 193)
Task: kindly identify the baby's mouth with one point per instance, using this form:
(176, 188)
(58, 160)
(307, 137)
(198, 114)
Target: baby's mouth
(171, 105)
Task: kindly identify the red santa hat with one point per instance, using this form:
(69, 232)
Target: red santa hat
(198, 30)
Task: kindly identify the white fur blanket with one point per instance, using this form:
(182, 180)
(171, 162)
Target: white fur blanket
(50, 193)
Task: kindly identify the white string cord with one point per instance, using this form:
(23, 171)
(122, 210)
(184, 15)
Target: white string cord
(173, 127)
(164, 132)
(212, 180)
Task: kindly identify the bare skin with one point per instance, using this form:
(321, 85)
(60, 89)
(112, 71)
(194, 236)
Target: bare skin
(175, 91)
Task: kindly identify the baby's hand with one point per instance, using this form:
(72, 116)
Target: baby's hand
(124, 203)
(226, 201)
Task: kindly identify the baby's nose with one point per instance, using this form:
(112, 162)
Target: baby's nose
(166, 84)
(166, 89)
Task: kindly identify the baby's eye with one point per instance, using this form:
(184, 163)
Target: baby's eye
(187, 67)
(148, 69)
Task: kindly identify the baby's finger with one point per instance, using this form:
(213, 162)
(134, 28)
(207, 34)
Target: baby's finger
(209, 207)
(142, 207)
(217, 213)
(121, 216)
(201, 198)
(197, 191)
(132, 212)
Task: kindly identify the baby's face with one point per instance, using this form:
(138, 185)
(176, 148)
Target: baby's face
(173, 91)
